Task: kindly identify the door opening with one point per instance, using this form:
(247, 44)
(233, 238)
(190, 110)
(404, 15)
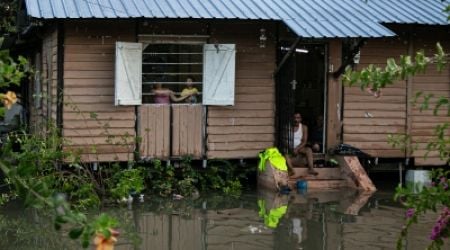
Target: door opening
(310, 94)
(301, 87)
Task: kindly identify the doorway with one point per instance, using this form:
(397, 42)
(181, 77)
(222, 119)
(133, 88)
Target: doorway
(301, 87)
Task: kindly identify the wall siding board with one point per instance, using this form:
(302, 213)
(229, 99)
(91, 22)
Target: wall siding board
(89, 88)
(242, 130)
(368, 120)
(423, 123)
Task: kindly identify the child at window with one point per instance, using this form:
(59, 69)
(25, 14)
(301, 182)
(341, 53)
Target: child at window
(164, 95)
(189, 92)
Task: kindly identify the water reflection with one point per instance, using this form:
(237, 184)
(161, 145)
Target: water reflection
(345, 219)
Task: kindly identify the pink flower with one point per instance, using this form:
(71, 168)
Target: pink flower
(410, 213)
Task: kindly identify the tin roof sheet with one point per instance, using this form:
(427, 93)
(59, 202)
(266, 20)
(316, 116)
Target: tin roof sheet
(308, 18)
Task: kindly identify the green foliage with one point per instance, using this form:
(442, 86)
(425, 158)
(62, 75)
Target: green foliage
(377, 78)
(128, 181)
(12, 71)
(185, 180)
(8, 15)
(435, 197)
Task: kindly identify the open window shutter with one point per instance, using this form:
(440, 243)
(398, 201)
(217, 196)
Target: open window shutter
(128, 75)
(219, 74)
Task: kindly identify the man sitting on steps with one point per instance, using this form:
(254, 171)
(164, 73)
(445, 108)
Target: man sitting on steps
(300, 148)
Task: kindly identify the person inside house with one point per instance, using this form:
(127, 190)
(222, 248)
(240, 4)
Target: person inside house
(300, 147)
(190, 91)
(165, 95)
(317, 135)
(13, 116)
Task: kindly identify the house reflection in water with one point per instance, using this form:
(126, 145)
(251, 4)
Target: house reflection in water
(267, 220)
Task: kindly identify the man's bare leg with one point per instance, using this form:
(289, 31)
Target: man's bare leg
(291, 163)
(309, 157)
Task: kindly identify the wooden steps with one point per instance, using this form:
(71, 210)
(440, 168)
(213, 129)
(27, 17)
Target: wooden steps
(349, 174)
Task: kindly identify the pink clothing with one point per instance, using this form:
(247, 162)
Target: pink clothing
(162, 98)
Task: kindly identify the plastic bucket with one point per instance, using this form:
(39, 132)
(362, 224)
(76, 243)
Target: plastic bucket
(417, 179)
(302, 185)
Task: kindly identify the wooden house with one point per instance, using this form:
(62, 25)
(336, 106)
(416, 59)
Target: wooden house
(253, 63)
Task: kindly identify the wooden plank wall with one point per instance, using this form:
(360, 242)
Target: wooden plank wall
(423, 123)
(154, 131)
(368, 120)
(187, 130)
(242, 130)
(40, 116)
(91, 122)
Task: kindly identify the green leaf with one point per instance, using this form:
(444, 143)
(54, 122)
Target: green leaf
(75, 233)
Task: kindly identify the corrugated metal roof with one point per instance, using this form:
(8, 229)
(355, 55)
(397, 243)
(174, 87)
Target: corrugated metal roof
(308, 18)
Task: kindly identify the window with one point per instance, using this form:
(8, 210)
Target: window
(159, 73)
(172, 68)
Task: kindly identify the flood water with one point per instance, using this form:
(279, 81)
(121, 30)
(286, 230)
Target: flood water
(344, 219)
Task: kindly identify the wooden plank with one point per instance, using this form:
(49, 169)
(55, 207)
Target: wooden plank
(213, 146)
(427, 132)
(424, 125)
(199, 139)
(88, 91)
(366, 137)
(255, 82)
(434, 119)
(90, 48)
(254, 74)
(391, 91)
(104, 57)
(435, 85)
(369, 145)
(376, 114)
(82, 66)
(375, 106)
(93, 140)
(369, 98)
(85, 74)
(80, 124)
(159, 127)
(105, 99)
(254, 90)
(385, 153)
(100, 107)
(97, 132)
(248, 105)
(240, 121)
(352, 169)
(241, 138)
(96, 39)
(176, 130)
(429, 162)
(92, 83)
(238, 154)
(221, 130)
(69, 114)
(421, 153)
(269, 98)
(375, 121)
(166, 128)
(143, 132)
(183, 131)
(101, 149)
(241, 113)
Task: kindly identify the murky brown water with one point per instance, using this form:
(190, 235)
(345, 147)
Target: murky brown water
(342, 219)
